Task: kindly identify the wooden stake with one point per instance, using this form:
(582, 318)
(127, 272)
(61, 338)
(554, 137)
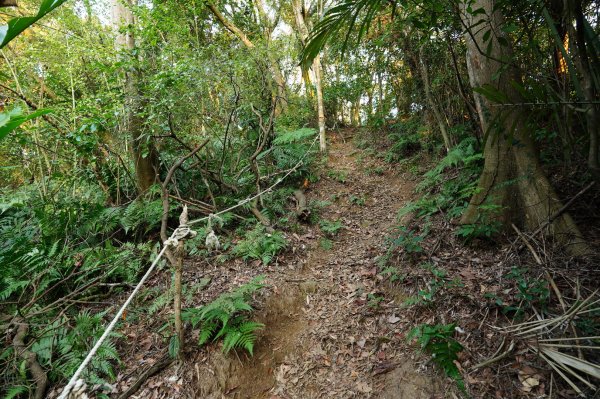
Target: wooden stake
(179, 254)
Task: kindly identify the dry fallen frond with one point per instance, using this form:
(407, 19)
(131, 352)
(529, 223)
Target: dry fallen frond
(549, 339)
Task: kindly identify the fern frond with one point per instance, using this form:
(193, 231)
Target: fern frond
(207, 331)
(294, 136)
(227, 317)
(14, 392)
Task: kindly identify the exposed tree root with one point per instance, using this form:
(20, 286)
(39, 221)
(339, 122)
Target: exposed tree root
(38, 373)
(302, 210)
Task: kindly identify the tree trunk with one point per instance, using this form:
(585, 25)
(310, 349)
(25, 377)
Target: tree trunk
(356, 113)
(145, 155)
(380, 95)
(510, 156)
(299, 12)
(432, 105)
(592, 117)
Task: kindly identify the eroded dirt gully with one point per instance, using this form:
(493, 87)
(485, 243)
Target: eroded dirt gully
(325, 336)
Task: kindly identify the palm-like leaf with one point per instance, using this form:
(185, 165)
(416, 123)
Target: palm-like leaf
(342, 17)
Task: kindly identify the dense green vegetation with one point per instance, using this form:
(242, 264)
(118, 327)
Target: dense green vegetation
(115, 114)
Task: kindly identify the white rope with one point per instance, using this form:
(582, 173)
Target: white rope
(173, 239)
(266, 190)
(110, 327)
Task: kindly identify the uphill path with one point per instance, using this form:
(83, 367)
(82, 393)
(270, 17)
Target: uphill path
(335, 328)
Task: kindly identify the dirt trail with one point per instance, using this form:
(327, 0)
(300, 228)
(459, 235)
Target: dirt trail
(327, 334)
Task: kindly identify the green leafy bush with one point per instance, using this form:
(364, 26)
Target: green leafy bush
(228, 317)
(449, 186)
(338, 175)
(326, 244)
(485, 226)
(360, 201)
(438, 282)
(289, 147)
(331, 227)
(437, 340)
(260, 244)
(406, 139)
(530, 291)
(407, 239)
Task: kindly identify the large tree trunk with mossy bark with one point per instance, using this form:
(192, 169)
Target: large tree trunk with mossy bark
(513, 187)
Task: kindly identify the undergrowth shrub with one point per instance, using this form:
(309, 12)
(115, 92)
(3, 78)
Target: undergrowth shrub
(228, 317)
(437, 282)
(449, 186)
(260, 244)
(531, 291)
(289, 147)
(437, 340)
(62, 247)
(331, 227)
(406, 239)
(486, 224)
(407, 138)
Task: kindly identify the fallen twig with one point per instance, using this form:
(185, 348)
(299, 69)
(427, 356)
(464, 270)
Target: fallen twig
(162, 363)
(495, 358)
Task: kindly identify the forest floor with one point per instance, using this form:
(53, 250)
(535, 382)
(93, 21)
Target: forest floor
(336, 327)
(327, 335)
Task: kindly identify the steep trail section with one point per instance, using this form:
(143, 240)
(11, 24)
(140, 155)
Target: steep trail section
(341, 336)
(334, 327)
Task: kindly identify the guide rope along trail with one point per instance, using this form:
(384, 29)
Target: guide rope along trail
(75, 389)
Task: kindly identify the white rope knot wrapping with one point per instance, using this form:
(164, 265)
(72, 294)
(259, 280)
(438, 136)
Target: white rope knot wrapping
(180, 233)
(212, 241)
(77, 391)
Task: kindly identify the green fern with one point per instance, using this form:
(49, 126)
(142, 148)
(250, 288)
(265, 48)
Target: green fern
(242, 335)
(259, 244)
(227, 317)
(463, 154)
(331, 227)
(140, 214)
(294, 136)
(438, 341)
(14, 392)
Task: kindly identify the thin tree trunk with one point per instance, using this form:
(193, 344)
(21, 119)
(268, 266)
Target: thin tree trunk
(356, 113)
(510, 156)
(463, 92)
(380, 94)
(434, 108)
(299, 12)
(320, 106)
(589, 91)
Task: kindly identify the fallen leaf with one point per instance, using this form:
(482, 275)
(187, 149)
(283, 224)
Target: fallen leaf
(363, 387)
